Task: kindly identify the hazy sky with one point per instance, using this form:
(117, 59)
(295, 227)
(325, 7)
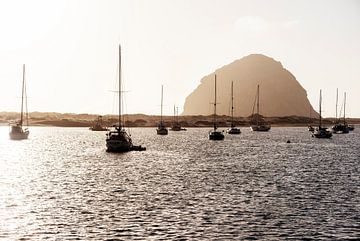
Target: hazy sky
(70, 49)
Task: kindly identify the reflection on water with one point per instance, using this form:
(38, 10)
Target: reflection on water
(60, 183)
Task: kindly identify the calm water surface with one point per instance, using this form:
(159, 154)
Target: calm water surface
(60, 184)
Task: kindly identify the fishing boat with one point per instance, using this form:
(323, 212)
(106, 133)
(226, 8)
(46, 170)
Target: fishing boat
(119, 140)
(351, 127)
(98, 125)
(176, 126)
(340, 128)
(17, 132)
(161, 129)
(233, 129)
(321, 132)
(258, 123)
(215, 134)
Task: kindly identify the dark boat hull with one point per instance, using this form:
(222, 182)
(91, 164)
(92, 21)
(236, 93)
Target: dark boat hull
(115, 146)
(118, 149)
(234, 131)
(340, 129)
(322, 133)
(216, 136)
(162, 131)
(98, 129)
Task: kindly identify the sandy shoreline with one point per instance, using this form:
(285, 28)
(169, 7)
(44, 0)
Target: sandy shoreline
(141, 120)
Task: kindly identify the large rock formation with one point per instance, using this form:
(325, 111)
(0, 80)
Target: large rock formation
(280, 92)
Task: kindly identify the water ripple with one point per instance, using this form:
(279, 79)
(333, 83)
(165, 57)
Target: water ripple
(61, 184)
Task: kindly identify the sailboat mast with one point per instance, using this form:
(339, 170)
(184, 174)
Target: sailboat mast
(320, 109)
(120, 126)
(161, 104)
(257, 105)
(344, 106)
(22, 96)
(177, 114)
(232, 102)
(174, 119)
(336, 112)
(26, 105)
(215, 106)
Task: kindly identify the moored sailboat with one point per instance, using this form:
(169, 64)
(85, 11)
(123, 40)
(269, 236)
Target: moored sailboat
(321, 132)
(215, 134)
(340, 128)
(17, 132)
(161, 129)
(119, 140)
(258, 123)
(233, 129)
(176, 126)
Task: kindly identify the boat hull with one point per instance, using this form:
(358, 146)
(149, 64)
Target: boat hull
(117, 146)
(233, 131)
(162, 131)
(19, 135)
(262, 128)
(322, 133)
(216, 135)
(177, 128)
(340, 129)
(98, 129)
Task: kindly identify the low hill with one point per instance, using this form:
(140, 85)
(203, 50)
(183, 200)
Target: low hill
(140, 120)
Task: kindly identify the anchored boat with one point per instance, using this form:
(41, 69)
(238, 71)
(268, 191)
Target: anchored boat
(119, 140)
(258, 123)
(321, 132)
(340, 128)
(233, 129)
(17, 132)
(161, 129)
(215, 134)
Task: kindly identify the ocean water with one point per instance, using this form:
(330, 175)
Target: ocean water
(60, 184)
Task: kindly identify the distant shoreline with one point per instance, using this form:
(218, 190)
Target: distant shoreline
(141, 120)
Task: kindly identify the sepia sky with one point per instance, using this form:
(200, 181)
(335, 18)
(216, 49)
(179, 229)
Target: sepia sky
(71, 56)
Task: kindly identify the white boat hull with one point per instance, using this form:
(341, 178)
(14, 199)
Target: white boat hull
(260, 128)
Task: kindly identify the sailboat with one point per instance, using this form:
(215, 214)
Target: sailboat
(161, 130)
(119, 140)
(17, 132)
(258, 123)
(214, 134)
(98, 125)
(176, 126)
(340, 128)
(233, 129)
(321, 132)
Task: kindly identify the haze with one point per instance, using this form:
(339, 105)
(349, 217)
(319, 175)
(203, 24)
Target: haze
(70, 49)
